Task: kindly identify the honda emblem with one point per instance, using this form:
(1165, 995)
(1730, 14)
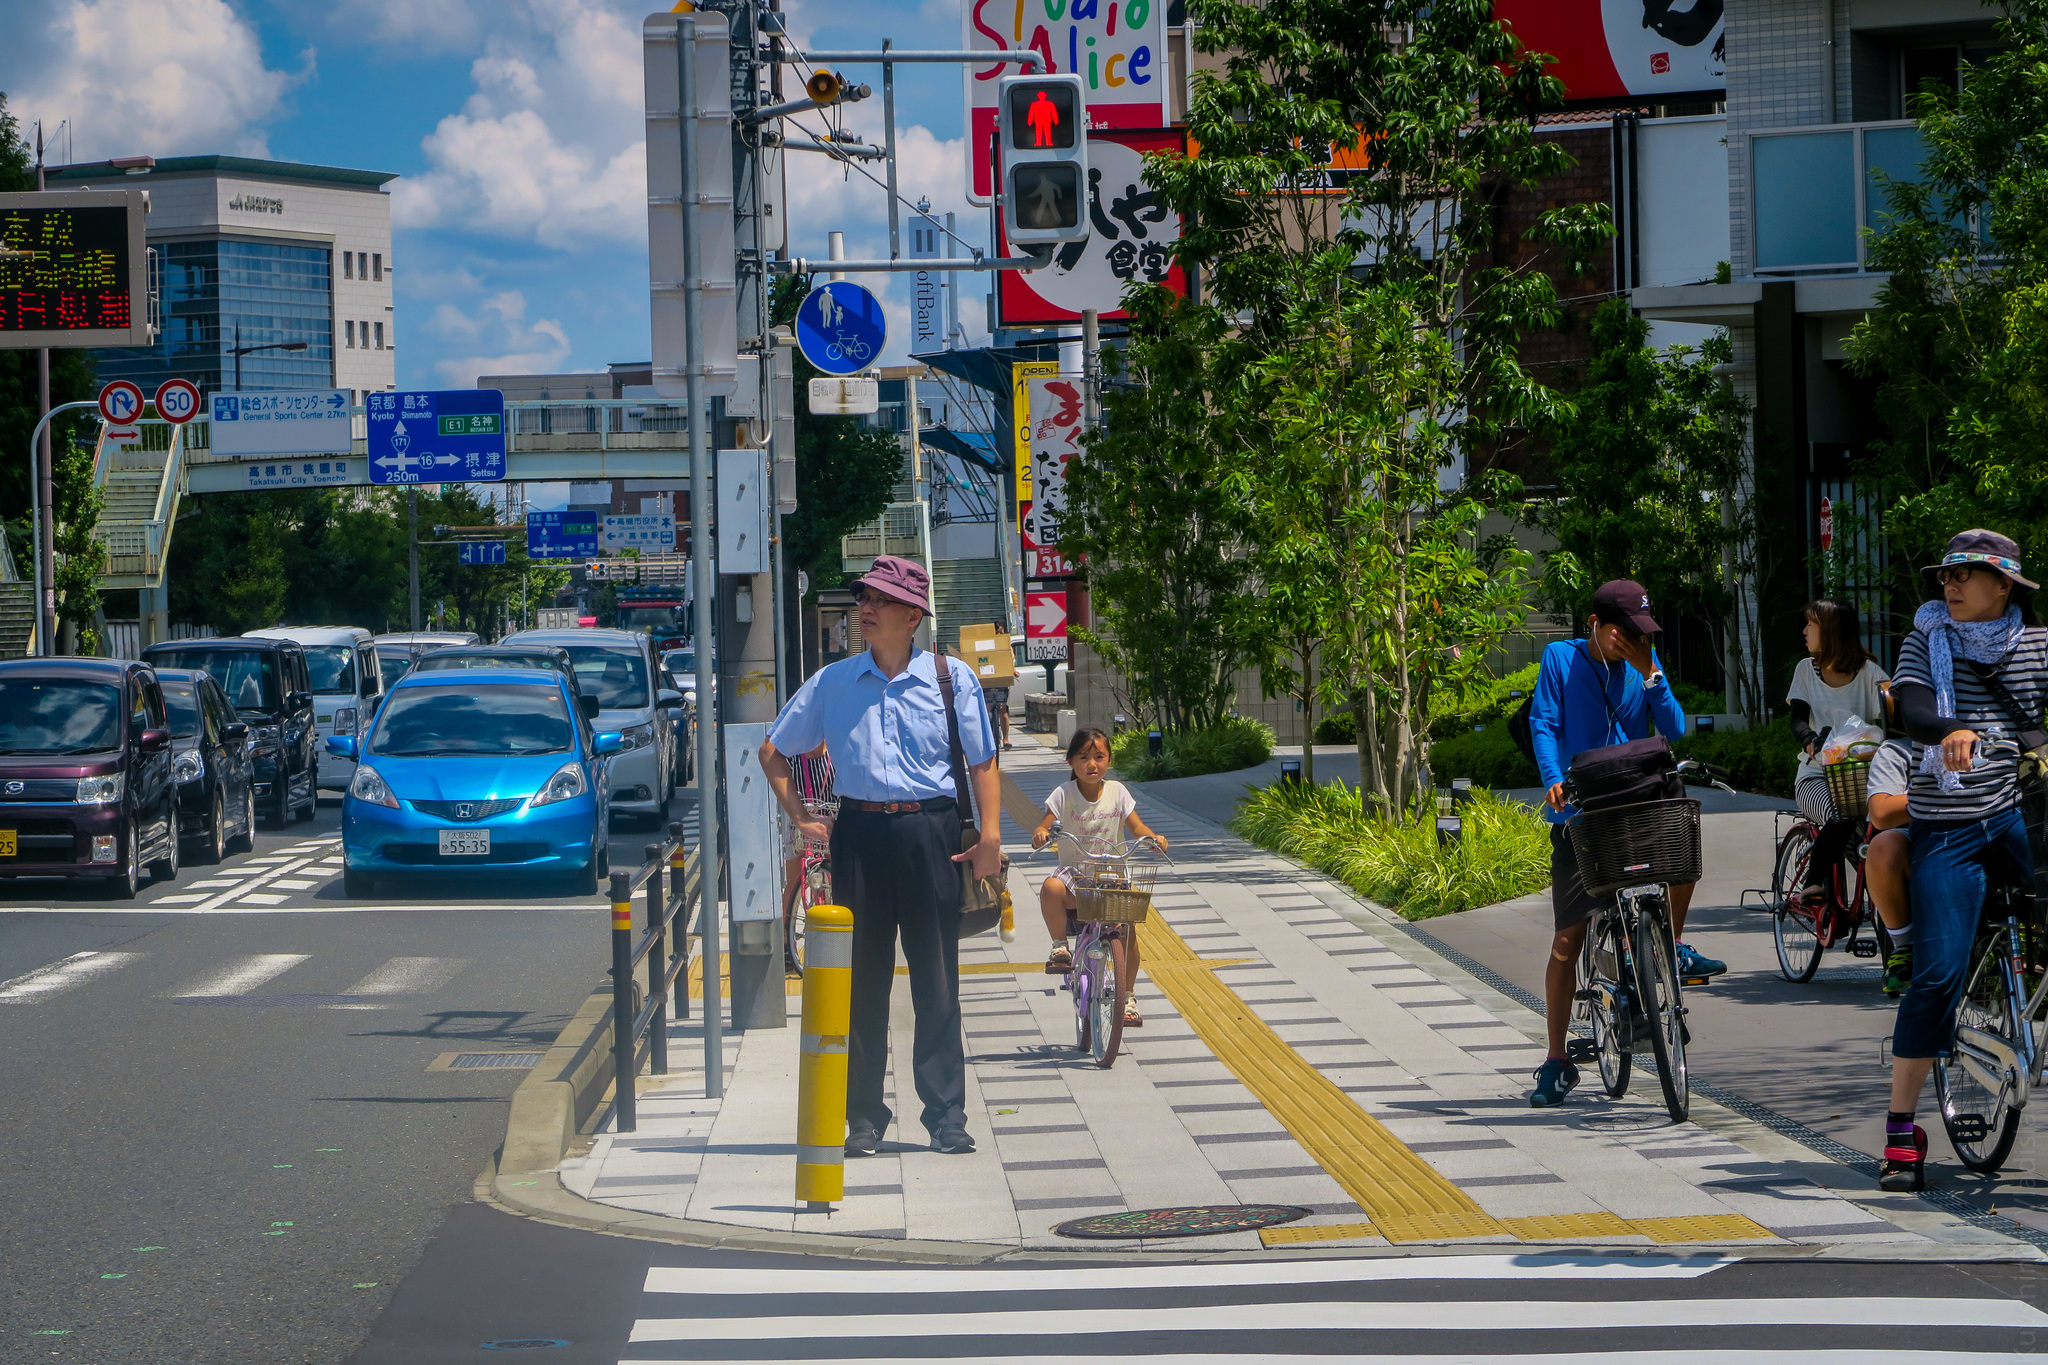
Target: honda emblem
(464, 811)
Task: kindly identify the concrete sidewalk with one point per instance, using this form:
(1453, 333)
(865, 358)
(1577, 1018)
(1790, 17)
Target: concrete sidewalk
(1300, 1047)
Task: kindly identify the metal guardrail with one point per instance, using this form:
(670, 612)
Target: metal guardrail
(668, 881)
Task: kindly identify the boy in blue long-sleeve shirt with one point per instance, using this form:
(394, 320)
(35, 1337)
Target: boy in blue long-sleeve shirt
(1605, 689)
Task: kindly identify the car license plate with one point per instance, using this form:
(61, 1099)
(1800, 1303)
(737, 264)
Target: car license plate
(8, 846)
(465, 843)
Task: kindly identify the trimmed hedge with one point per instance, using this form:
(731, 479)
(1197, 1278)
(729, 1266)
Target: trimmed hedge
(1763, 760)
(1239, 742)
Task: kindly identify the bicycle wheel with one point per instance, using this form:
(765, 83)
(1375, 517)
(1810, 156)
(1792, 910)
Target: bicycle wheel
(1794, 927)
(1105, 1005)
(1610, 1035)
(1976, 1085)
(1657, 996)
(1079, 984)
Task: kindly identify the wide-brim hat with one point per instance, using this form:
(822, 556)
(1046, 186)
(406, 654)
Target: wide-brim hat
(1987, 548)
(901, 580)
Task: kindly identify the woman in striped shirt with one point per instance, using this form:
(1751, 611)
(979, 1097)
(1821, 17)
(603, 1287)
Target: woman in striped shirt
(1964, 804)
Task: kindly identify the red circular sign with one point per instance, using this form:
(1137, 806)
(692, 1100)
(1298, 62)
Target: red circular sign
(121, 403)
(177, 400)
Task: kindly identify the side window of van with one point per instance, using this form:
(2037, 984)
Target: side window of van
(150, 708)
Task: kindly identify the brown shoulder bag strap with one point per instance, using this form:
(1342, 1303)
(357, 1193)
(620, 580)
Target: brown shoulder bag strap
(962, 792)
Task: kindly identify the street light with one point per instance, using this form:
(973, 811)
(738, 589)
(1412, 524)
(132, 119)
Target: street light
(238, 351)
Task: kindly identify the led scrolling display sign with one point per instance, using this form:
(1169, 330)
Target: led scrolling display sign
(73, 271)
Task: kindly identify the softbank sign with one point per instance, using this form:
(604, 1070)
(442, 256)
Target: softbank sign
(1117, 47)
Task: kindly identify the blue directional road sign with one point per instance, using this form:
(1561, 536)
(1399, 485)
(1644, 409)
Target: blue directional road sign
(481, 552)
(840, 328)
(561, 535)
(447, 436)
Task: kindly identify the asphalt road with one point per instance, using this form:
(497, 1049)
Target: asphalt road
(229, 1122)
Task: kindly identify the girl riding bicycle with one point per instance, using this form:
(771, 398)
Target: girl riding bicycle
(1095, 812)
(1838, 680)
(1978, 642)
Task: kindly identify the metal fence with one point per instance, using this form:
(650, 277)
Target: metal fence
(668, 882)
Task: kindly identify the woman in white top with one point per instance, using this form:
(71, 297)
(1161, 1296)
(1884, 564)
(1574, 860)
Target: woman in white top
(1837, 680)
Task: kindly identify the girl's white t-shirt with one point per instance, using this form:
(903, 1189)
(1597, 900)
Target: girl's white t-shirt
(1832, 706)
(1095, 823)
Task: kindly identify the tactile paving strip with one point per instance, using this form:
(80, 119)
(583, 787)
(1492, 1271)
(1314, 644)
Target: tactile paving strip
(1720, 1227)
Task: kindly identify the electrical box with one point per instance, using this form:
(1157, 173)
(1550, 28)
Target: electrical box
(753, 834)
(743, 502)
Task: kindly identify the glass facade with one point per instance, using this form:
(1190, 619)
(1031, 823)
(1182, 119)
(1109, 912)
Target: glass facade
(214, 292)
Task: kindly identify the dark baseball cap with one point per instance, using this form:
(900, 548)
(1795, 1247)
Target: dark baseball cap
(1987, 548)
(1625, 603)
(903, 580)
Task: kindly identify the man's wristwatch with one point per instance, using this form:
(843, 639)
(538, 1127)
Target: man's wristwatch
(1656, 677)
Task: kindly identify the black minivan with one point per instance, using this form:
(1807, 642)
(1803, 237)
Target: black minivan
(85, 773)
(267, 684)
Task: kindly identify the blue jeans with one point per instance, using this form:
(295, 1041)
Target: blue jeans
(1948, 896)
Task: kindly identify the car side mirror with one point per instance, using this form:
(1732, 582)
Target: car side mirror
(610, 742)
(298, 699)
(668, 698)
(342, 746)
(589, 706)
(153, 741)
(235, 731)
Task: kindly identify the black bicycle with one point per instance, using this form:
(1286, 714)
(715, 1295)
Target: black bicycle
(1630, 995)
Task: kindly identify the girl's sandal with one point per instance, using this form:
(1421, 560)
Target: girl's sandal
(1132, 1019)
(1060, 963)
(1905, 1168)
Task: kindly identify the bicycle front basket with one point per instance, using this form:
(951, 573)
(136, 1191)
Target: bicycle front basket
(1652, 841)
(1848, 789)
(1112, 905)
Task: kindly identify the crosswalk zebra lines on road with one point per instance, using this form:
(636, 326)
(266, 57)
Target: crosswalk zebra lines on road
(1481, 1307)
(236, 980)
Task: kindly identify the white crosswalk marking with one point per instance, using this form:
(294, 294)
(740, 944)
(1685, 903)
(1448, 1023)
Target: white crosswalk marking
(409, 976)
(238, 976)
(1769, 1357)
(76, 970)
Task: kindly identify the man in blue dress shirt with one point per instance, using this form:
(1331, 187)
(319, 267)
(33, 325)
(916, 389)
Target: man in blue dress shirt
(896, 845)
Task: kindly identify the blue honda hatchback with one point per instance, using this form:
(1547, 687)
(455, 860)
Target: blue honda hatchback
(494, 769)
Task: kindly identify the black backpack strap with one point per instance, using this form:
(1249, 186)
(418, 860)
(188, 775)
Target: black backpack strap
(963, 793)
(2029, 729)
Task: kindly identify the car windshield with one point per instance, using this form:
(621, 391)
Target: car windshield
(394, 664)
(54, 717)
(181, 699)
(248, 676)
(501, 719)
(616, 677)
(332, 667)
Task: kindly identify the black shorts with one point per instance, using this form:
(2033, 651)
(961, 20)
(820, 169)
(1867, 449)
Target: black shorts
(1570, 903)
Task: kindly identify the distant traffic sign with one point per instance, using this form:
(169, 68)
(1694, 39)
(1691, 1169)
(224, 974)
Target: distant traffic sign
(481, 552)
(286, 422)
(561, 535)
(121, 403)
(177, 401)
(652, 533)
(444, 436)
(840, 328)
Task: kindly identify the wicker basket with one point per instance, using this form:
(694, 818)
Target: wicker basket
(1653, 841)
(1103, 905)
(1848, 788)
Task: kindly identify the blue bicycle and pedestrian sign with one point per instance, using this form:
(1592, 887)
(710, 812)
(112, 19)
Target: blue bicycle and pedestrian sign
(446, 436)
(840, 328)
(561, 535)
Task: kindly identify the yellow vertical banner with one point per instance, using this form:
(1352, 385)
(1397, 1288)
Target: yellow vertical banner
(1021, 374)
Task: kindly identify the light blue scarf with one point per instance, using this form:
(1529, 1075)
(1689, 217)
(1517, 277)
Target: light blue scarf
(1983, 642)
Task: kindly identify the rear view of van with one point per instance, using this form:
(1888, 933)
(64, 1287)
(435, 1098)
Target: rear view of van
(347, 685)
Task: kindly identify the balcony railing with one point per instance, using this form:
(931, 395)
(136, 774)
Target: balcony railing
(1817, 194)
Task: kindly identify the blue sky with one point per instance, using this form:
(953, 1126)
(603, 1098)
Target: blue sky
(520, 221)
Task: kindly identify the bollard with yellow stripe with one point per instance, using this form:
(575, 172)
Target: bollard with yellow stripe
(821, 1073)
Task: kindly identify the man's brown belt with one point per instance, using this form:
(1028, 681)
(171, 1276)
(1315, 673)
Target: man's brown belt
(902, 807)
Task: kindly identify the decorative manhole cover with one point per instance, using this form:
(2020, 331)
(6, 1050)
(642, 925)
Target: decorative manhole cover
(1201, 1221)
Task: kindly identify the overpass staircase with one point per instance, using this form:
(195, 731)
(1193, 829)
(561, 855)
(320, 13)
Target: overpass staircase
(142, 483)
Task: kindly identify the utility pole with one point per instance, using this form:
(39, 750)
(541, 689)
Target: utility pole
(45, 479)
(412, 554)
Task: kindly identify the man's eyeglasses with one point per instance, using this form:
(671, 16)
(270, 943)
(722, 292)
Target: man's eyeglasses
(868, 597)
(1954, 573)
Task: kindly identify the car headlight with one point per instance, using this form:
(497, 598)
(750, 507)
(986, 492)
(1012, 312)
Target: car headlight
(567, 782)
(345, 721)
(101, 791)
(189, 766)
(637, 737)
(366, 785)
(268, 734)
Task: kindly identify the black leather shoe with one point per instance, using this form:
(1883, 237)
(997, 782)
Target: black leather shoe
(953, 1142)
(862, 1140)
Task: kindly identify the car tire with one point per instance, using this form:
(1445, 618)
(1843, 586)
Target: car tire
(280, 812)
(584, 882)
(357, 885)
(312, 806)
(165, 869)
(245, 842)
(129, 884)
(214, 840)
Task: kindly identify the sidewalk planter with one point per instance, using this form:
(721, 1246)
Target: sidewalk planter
(1238, 742)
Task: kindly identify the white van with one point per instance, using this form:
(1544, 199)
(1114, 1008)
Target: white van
(396, 654)
(347, 685)
(618, 667)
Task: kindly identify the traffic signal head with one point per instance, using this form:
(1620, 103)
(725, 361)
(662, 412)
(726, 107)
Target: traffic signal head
(1044, 144)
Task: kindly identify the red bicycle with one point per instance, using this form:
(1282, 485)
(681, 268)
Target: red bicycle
(1803, 930)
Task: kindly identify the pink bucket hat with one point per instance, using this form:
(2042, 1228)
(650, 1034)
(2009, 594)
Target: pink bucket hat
(903, 580)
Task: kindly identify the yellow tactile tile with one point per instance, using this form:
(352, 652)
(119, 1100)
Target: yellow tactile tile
(1720, 1227)
(1326, 1232)
(1444, 1226)
(1556, 1227)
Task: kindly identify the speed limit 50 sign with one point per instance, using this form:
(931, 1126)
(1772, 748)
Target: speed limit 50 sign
(177, 400)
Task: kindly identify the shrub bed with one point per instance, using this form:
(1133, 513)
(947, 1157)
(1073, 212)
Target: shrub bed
(1238, 742)
(1505, 851)
(1758, 760)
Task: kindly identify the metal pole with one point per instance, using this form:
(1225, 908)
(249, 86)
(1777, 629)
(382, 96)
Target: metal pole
(43, 577)
(889, 145)
(657, 959)
(43, 476)
(1091, 370)
(623, 1069)
(412, 551)
(679, 938)
(704, 584)
(835, 248)
(952, 294)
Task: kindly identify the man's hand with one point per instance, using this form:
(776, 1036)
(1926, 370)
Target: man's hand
(986, 857)
(1635, 649)
(1958, 750)
(815, 829)
(1555, 797)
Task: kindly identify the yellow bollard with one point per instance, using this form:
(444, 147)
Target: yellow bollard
(821, 1074)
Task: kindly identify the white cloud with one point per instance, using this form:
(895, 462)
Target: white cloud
(496, 338)
(419, 26)
(147, 77)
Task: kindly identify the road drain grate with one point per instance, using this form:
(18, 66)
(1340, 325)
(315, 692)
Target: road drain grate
(476, 1061)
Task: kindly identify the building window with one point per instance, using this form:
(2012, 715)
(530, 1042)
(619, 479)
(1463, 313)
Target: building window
(380, 336)
(348, 265)
(270, 291)
(377, 265)
(351, 334)
(362, 265)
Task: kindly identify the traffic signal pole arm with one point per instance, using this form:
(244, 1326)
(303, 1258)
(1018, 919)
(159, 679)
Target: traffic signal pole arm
(801, 266)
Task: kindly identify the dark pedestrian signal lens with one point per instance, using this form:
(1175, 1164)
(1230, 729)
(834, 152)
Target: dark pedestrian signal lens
(1046, 196)
(1042, 116)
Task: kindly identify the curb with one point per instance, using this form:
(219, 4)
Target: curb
(563, 1094)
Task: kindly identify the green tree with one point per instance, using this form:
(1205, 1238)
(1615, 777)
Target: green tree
(1148, 510)
(81, 553)
(1959, 340)
(1647, 465)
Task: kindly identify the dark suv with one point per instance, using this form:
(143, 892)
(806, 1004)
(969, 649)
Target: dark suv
(267, 684)
(85, 773)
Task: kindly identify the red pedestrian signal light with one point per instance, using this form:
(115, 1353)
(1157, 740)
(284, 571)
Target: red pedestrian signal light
(1044, 113)
(1042, 132)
